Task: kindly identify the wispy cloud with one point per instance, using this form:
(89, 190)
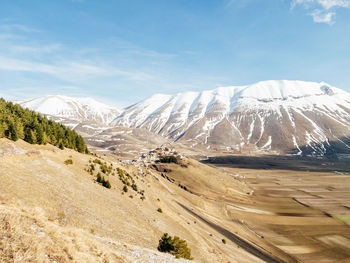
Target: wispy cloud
(33, 49)
(322, 11)
(23, 53)
(68, 70)
(18, 27)
(320, 16)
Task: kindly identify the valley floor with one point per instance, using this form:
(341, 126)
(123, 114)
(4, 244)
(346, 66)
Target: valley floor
(301, 207)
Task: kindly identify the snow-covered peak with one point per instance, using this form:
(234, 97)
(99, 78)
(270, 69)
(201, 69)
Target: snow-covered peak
(284, 89)
(79, 109)
(275, 92)
(259, 115)
(262, 91)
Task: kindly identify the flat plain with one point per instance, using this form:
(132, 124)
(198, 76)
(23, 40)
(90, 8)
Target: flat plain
(301, 206)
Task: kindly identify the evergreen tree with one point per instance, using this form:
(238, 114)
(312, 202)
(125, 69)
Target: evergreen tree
(20, 129)
(12, 132)
(39, 134)
(18, 123)
(2, 131)
(29, 136)
(61, 144)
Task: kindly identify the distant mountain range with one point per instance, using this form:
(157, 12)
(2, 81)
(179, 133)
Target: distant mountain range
(76, 109)
(271, 116)
(283, 116)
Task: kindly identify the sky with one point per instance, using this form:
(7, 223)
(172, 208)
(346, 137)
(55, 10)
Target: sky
(123, 51)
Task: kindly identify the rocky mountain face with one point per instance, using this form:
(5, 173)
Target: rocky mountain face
(272, 116)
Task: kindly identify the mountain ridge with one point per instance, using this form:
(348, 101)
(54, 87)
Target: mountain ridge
(280, 116)
(78, 109)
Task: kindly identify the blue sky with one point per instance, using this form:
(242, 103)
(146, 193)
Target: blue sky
(124, 51)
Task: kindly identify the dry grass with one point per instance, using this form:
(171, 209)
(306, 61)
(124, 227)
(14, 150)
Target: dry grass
(28, 236)
(57, 212)
(69, 198)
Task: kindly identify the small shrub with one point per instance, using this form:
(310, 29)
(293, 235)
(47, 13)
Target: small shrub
(68, 161)
(180, 248)
(223, 241)
(99, 178)
(159, 210)
(125, 189)
(134, 187)
(106, 184)
(97, 161)
(166, 243)
(175, 246)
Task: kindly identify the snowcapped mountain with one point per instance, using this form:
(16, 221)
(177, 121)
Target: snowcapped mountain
(282, 116)
(73, 109)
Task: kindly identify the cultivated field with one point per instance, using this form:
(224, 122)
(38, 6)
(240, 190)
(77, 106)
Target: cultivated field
(300, 206)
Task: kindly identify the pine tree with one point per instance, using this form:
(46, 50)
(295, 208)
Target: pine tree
(12, 132)
(20, 129)
(18, 123)
(2, 131)
(61, 144)
(39, 134)
(29, 136)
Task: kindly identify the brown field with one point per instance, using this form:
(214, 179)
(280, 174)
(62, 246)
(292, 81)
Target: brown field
(304, 213)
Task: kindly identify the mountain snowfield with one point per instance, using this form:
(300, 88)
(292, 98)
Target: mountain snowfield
(77, 109)
(282, 116)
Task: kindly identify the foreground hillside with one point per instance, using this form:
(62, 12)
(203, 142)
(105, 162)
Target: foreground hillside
(46, 202)
(28, 235)
(71, 207)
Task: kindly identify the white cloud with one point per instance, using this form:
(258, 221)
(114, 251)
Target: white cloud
(320, 16)
(322, 11)
(328, 4)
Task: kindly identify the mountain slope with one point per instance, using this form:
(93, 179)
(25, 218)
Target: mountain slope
(77, 109)
(282, 116)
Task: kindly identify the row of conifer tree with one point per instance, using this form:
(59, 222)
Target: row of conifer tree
(19, 123)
